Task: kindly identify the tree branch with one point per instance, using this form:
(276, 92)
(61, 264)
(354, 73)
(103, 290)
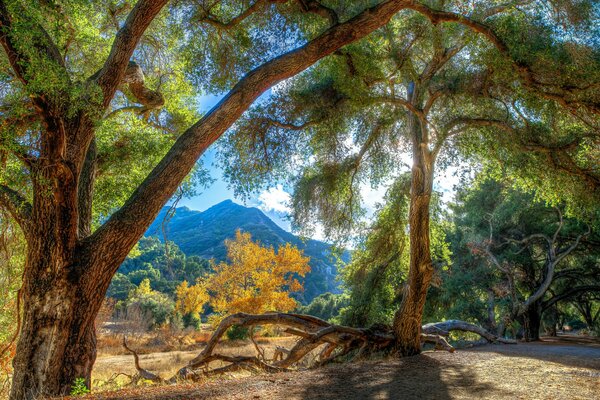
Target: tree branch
(255, 7)
(17, 206)
(525, 72)
(126, 225)
(112, 73)
(569, 293)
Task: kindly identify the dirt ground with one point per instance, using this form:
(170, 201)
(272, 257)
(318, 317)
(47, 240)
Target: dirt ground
(563, 368)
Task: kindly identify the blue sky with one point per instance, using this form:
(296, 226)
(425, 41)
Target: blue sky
(273, 202)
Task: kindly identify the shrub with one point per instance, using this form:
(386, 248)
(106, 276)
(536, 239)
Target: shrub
(79, 387)
(237, 332)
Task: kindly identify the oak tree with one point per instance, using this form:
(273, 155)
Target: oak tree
(484, 79)
(81, 82)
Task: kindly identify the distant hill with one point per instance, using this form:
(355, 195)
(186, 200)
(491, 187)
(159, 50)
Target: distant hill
(203, 234)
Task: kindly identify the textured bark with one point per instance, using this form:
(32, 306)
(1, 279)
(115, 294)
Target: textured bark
(444, 329)
(407, 321)
(532, 321)
(86, 191)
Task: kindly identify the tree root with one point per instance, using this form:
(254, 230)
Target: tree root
(337, 341)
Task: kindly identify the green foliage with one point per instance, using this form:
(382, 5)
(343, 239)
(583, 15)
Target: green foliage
(191, 320)
(237, 332)
(378, 267)
(375, 276)
(152, 307)
(79, 388)
(326, 306)
(472, 287)
(165, 271)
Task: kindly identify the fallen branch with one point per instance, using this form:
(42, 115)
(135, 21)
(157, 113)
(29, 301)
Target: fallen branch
(141, 372)
(337, 341)
(439, 341)
(444, 329)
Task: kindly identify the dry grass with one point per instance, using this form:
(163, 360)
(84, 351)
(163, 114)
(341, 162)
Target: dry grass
(549, 370)
(165, 356)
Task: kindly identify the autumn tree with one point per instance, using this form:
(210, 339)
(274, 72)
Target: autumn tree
(85, 85)
(190, 300)
(255, 279)
(484, 80)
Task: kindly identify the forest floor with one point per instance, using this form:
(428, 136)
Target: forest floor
(567, 367)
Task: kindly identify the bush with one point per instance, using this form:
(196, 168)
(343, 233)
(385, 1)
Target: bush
(192, 320)
(237, 332)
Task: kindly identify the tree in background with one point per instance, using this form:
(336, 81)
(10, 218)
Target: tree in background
(150, 260)
(190, 302)
(255, 279)
(515, 257)
(326, 306)
(148, 307)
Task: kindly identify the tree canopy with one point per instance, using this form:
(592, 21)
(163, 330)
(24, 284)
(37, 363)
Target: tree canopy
(100, 127)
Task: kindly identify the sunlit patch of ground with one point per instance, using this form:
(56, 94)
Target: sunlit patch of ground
(555, 369)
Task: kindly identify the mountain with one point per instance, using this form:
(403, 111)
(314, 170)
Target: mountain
(203, 234)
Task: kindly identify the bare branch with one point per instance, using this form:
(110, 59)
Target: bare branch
(16, 204)
(143, 373)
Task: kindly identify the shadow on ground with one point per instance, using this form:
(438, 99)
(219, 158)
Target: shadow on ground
(419, 377)
(568, 350)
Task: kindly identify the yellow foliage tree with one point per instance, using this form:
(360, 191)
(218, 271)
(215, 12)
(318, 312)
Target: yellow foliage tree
(256, 279)
(191, 299)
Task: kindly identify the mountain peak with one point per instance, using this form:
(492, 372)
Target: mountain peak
(203, 234)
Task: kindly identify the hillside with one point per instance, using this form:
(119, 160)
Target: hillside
(203, 234)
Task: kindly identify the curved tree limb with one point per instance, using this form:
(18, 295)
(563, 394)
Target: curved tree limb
(126, 225)
(16, 205)
(114, 69)
(337, 341)
(143, 373)
(569, 293)
(558, 93)
(444, 328)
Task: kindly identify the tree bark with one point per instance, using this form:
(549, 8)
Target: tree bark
(407, 321)
(532, 320)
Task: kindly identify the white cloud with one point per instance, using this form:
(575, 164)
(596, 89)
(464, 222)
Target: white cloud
(275, 199)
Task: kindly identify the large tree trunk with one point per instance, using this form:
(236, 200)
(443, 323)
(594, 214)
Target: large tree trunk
(62, 287)
(62, 293)
(407, 321)
(532, 320)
